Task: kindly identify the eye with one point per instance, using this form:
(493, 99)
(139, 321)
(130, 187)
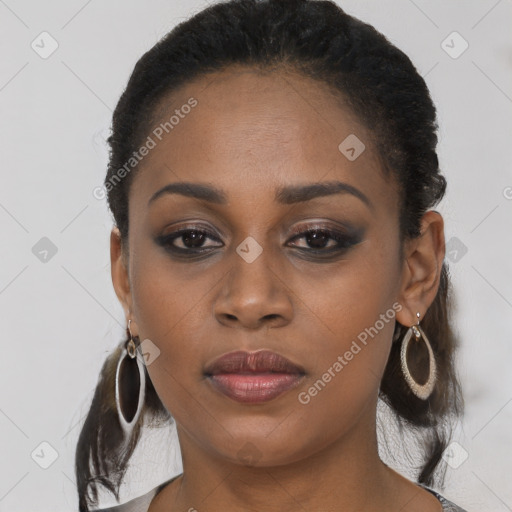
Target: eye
(324, 240)
(188, 240)
(319, 240)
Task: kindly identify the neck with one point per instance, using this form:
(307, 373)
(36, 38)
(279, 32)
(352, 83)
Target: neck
(346, 475)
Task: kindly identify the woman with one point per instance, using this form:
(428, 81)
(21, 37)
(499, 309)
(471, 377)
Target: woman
(272, 172)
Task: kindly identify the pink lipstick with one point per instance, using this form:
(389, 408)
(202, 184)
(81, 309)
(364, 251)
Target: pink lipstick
(253, 377)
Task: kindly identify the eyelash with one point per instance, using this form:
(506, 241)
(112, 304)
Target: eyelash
(344, 240)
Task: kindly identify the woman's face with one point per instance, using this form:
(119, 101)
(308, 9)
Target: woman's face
(254, 281)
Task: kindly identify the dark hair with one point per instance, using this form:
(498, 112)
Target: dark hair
(382, 87)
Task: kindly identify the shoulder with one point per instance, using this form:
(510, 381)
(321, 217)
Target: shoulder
(448, 506)
(139, 504)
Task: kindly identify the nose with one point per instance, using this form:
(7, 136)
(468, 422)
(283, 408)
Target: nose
(254, 295)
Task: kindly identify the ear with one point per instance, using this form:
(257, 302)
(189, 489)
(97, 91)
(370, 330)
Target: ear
(119, 271)
(423, 260)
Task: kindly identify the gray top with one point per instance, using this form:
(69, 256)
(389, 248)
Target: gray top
(141, 504)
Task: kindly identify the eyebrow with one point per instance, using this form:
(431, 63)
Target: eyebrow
(290, 194)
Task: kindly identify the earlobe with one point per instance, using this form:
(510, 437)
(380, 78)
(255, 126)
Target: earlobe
(422, 265)
(119, 271)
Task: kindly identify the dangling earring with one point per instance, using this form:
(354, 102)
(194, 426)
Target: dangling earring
(130, 384)
(425, 390)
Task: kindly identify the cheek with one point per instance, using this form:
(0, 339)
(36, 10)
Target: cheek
(168, 304)
(354, 311)
(358, 318)
(352, 351)
(168, 308)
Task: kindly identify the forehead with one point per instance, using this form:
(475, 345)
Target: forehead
(253, 131)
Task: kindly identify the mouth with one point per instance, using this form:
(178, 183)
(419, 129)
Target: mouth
(253, 377)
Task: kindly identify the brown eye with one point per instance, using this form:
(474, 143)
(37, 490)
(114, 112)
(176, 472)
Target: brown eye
(318, 239)
(323, 240)
(192, 240)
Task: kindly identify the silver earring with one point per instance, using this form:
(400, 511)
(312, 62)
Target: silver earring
(422, 391)
(130, 385)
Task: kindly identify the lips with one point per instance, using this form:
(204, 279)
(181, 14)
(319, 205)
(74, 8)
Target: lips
(253, 377)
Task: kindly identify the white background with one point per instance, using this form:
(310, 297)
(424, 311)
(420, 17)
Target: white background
(60, 319)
